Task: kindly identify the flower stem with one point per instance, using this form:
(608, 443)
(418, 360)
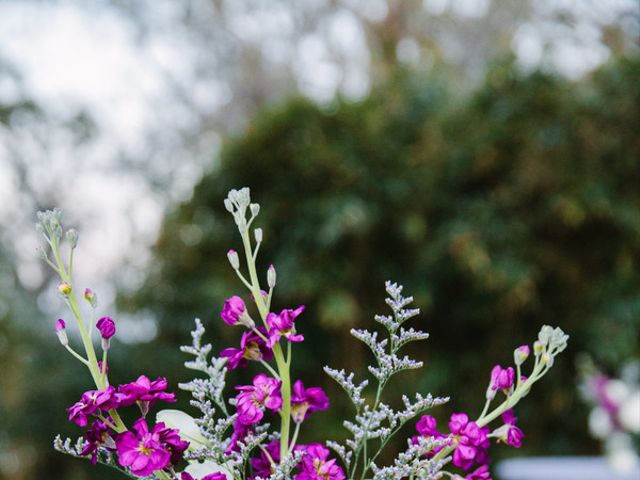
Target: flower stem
(282, 364)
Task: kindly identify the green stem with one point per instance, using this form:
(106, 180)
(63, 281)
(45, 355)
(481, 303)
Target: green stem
(92, 360)
(295, 438)
(77, 355)
(283, 366)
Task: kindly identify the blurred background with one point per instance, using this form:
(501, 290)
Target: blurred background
(484, 153)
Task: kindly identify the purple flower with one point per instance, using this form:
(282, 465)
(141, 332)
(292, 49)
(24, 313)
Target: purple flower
(471, 442)
(252, 399)
(240, 431)
(427, 427)
(234, 312)
(501, 379)
(316, 466)
(481, 473)
(211, 476)
(283, 325)
(107, 327)
(145, 393)
(252, 347)
(91, 402)
(262, 466)
(142, 451)
(306, 401)
(513, 435)
(170, 437)
(96, 437)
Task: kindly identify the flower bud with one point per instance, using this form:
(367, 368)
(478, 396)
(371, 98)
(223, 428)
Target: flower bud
(538, 348)
(255, 208)
(107, 328)
(271, 276)
(520, 354)
(547, 359)
(61, 332)
(65, 289)
(228, 205)
(91, 297)
(545, 334)
(72, 237)
(258, 234)
(234, 260)
(234, 312)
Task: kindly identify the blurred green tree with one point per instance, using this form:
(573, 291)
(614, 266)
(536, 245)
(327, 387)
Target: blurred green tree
(501, 211)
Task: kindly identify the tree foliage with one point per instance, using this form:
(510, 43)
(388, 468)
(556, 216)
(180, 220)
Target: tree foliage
(514, 206)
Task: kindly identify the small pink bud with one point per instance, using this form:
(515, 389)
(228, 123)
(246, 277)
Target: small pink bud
(520, 354)
(91, 297)
(61, 332)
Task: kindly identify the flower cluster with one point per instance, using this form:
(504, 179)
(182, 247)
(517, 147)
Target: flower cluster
(468, 440)
(233, 438)
(615, 413)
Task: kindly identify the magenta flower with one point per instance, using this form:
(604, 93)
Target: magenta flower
(481, 473)
(427, 427)
(240, 431)
(211, 476)
(107, 327)
(513, 435)
(97, 436)
(252, 347)
(92, 402)
(145, 392)
(234, 312)
(172, 441)
(316, 466)
(501, 379)
(283, 325)
(471, 442)
(306, 401)
(262, 467)
(142, 450)
(252, 399)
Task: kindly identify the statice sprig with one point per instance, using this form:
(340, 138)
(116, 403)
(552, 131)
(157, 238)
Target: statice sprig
(211, 388)
(378, 421)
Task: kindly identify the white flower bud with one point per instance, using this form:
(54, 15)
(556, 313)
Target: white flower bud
(228, 205)
(545, 335)
(271, 276)
(520, 354)
(255, 208)
(258, 234)
(538, 348)
(72, 237)
(234, 260)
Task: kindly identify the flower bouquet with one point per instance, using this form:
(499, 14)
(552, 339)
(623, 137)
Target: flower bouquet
(252, 431)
